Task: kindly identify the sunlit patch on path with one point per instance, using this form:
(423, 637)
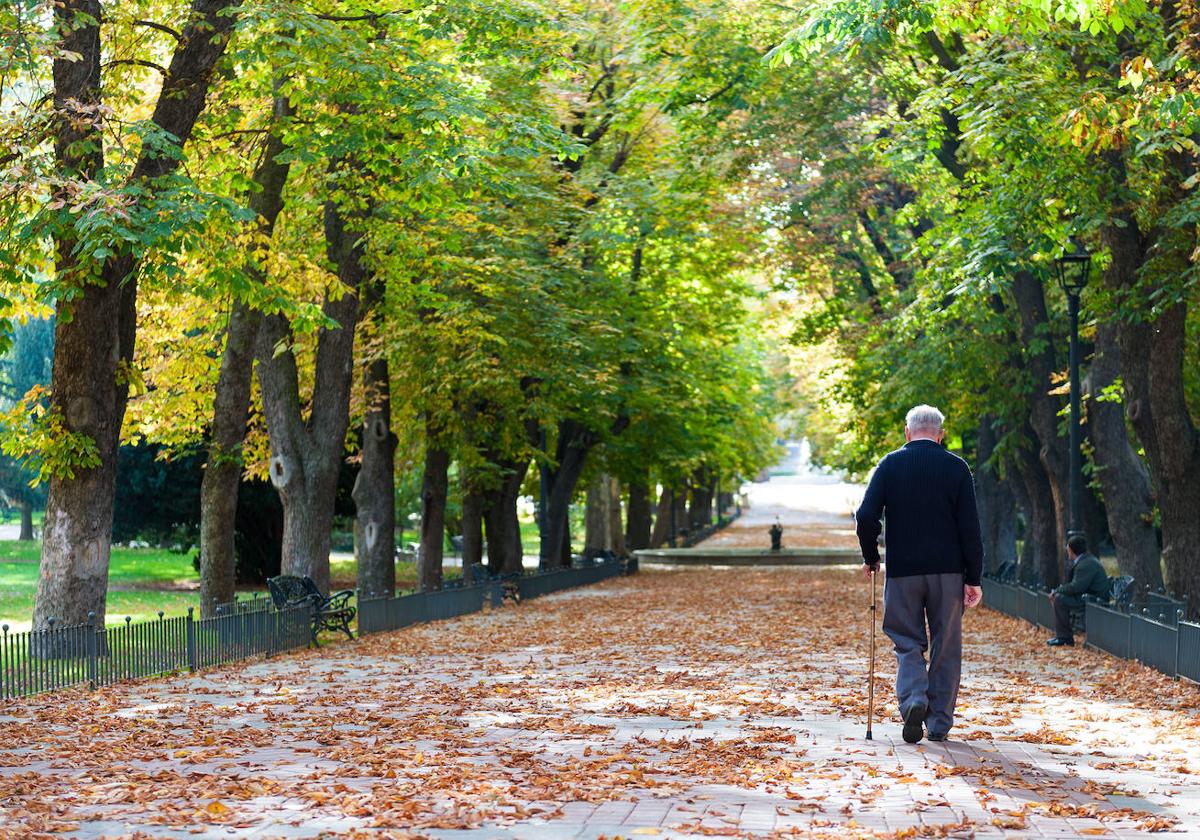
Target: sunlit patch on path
(689, 703)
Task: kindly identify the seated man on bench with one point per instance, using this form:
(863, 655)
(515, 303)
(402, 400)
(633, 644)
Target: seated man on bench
(1087, 578)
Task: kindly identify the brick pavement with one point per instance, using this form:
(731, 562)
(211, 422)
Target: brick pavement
(673, 704)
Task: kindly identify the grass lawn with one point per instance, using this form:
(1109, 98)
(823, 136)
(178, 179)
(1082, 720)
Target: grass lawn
(142, 581)
(343, 572)
(12, 516)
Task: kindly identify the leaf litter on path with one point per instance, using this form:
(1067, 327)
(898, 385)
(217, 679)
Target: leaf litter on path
(706, 702)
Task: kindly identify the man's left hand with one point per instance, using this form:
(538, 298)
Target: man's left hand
(972, 595)
(869, 569)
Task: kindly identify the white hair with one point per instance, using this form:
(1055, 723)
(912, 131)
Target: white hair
(924, 418)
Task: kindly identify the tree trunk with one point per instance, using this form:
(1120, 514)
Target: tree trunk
(306, 455)
(639, 517)
(700, 512)
(472, 527)
(1160, 415)
(26, 534)
(1041, 517)
(1152, 359)
(661, 531)
(95, 328)
(505, 553)
(616, 533)
(597, 534)
(1124, 481)
(574, 443)
(1026, 559)
(435, 486)
(375, 487)
(997, 507)
(679, 516)
(1040, 360)
(223, 470)
(603, 518)
(231, 403)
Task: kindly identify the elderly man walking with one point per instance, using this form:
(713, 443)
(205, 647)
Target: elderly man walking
(934, 563)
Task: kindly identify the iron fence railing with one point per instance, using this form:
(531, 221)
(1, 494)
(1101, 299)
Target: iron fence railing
(376, 615)
(1152, 643)
(1107, 629)
(257, 602)
(1152, 632)
(57, 657)
(36, 661)
(1163, 608)
(1188, 665)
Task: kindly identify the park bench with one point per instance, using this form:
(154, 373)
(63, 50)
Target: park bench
(329, 613)
(1120, 595)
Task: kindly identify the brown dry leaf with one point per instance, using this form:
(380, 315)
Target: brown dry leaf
(494, 719)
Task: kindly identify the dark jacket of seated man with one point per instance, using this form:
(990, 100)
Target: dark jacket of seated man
(1087, 578)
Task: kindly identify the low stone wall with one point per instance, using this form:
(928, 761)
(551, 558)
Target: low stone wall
(701, 556)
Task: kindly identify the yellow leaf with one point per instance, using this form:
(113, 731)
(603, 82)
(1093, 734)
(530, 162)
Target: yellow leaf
(647, 831)
(217, 808)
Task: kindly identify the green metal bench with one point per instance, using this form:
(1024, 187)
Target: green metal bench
(329, 613)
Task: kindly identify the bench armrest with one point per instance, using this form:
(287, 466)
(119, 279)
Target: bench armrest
(339, 600)
(311, 600)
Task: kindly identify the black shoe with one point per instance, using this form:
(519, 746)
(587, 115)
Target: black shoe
(914, 723)
(938, 736)
(1058, 641)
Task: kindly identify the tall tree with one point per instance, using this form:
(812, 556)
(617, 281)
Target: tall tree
(97, 273)
(231, 401)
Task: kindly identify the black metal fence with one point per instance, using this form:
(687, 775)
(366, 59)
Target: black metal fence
(691, 537)
(1152, 632)
(35, 661)
(376, 615)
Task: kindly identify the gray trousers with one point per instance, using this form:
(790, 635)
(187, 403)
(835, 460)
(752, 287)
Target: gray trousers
(908, 604)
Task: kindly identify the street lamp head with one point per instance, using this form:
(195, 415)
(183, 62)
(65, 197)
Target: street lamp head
(1073, 267)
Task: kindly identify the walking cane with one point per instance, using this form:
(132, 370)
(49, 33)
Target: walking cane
(871, 666)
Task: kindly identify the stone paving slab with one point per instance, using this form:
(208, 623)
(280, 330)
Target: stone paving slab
(674, 704)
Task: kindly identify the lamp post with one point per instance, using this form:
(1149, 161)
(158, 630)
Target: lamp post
(1073, 267)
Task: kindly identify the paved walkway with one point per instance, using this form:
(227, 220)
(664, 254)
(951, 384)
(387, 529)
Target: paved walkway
(673, 704)
(678, 703)
(816, 509)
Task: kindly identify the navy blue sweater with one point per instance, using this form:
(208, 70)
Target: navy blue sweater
(928, 497)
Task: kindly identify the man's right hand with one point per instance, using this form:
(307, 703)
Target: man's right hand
(869, 569)
(972, 595)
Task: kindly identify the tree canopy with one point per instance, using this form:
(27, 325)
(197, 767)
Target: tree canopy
(507, 244)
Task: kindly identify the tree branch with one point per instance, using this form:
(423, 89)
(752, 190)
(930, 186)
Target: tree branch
(137, 62)
(362, 17)
(160, 27)
(948, 62)
(728, 86)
